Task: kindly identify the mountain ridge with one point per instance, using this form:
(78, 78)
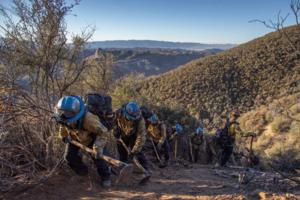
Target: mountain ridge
(148, 61)
(157, 44)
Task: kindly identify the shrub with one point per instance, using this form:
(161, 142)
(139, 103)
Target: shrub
(281, 125)
(295, 109)
(283, 156)
(125, 90)
(254, 120)
(272, 145)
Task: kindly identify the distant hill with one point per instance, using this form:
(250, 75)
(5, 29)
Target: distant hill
(156, 44)
(149, 61)
(249, 75)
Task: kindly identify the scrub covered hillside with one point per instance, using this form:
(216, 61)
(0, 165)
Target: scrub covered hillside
(249, 75)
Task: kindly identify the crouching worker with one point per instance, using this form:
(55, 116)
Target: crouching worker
(130, 133)
(76, 123)
(157, 131)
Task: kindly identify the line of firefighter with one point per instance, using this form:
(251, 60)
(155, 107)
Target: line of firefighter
(131, 124)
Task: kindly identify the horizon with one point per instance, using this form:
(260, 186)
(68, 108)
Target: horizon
(159, 41)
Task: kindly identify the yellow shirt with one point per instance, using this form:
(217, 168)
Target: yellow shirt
(90, 125)
(128, 128)
(157, 132)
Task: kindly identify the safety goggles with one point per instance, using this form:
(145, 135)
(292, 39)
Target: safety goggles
(66, 114)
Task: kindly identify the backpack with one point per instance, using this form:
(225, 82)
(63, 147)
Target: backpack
(146, 112)
(100, 105)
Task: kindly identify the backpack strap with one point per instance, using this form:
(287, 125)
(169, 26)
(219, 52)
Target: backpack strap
(79, 123)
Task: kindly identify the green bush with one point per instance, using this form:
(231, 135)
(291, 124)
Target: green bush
(125, 90)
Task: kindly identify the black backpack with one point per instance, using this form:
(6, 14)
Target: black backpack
(100, 105)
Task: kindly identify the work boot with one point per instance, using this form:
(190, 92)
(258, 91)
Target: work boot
(106, 183)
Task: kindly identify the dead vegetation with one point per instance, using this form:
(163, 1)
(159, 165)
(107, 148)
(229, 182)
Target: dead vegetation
(279, 127)
(38, 66)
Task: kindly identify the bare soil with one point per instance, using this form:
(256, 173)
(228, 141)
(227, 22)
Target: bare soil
(177, 181)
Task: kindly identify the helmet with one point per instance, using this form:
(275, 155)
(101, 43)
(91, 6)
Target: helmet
(153, 119)
(178, 128)
(70, 108)
(132, 111)
(199, 131)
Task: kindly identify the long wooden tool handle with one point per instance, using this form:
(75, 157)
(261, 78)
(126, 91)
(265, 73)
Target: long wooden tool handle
(138, 164)
(191, 150)
(175, 148)
(251, 144)
(110, 160)
(135, 160)
(155, 150)
(124, 145)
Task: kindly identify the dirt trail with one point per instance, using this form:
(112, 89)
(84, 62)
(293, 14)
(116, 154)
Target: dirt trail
(176, 182)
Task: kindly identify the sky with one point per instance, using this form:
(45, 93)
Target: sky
(204, 21)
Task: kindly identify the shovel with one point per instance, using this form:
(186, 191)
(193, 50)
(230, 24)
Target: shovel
(125, 169)
(137, 163)
(161, 164)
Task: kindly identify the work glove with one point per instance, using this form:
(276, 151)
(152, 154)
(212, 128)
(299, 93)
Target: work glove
(98, 148)
(98, 153)
(67, 139)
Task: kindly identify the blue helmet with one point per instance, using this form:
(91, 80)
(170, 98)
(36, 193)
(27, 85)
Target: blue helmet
(178, 128)
(132, 111)
(70, 108)
(199, 131)
(153, 119)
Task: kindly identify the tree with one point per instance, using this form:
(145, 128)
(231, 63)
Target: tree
(278, 24)
(98, 76)
(38, 66)
(34, 44)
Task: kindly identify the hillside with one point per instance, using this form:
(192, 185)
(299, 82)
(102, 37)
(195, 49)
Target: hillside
(149, 61)
(249, 75)
(277, 121)
(157, 44)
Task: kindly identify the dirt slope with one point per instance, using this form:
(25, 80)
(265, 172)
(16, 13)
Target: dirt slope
(176, 182)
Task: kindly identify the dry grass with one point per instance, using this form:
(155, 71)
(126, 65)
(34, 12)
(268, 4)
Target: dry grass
(279, 142)
(295, 109)
(281, 124)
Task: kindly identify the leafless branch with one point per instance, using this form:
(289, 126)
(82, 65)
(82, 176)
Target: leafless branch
(295, 7)
(278, 24)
